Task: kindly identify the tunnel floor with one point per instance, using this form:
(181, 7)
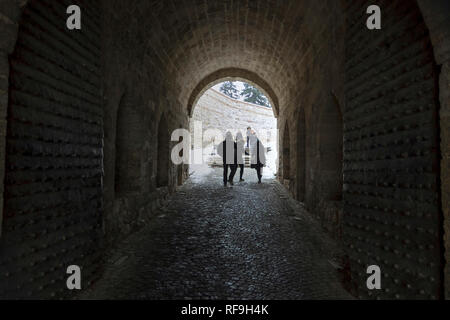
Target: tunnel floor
(251, 241)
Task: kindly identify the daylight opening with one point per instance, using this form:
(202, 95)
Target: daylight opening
(242, 109)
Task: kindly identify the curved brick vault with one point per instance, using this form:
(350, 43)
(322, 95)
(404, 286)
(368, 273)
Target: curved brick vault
(266, 39)
(381, 94)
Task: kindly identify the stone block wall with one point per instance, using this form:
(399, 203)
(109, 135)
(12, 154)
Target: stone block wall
(305, 76)
(436, 14)
(52, 150)
(9, 16)
(152, 59)
(392, 214)
(313, 117)
(137, 93)
(217, 111)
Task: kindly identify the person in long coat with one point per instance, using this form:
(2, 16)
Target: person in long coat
(240, 143)
(258, 156)
(227, 150)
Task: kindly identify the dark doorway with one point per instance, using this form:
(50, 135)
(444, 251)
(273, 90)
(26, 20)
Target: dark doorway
(286, 153)
(162, 175)
(181, 166)
(130, 133)
(331, 140)
(301, 155)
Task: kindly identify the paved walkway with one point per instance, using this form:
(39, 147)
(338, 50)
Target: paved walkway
(250, 241)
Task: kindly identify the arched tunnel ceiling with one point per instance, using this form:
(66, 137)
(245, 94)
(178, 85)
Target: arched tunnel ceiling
(195, 39)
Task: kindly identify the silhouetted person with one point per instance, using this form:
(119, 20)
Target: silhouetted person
(258, 157)
(227, 150)
(240, 149)
(251, 138)
(249, 132)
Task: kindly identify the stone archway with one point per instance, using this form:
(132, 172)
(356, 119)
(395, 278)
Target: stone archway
(436, 17)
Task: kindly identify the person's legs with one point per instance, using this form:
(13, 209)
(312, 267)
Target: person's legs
(242, 172)
(258, 172)
(233, 169)
(225, 174)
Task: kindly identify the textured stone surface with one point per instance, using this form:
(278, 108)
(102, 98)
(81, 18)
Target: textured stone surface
(437, 17)
(217, 111)
(247, 242)
(161, 55)
(293, 47)
(391, 175)
(445, 165)
(53, 181)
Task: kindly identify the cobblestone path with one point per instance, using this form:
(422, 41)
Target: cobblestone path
(251, 241)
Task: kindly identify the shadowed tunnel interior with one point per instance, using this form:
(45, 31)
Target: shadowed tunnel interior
(363, 118)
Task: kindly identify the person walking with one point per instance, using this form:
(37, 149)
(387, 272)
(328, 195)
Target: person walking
(227, 150)
(258, 156)
(249, 133)
(240, 145)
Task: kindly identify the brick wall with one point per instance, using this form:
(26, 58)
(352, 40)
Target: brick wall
(162, 54)
(391, 173)
(135, 80)
(294, 49)
(53, 169)
(217, 111)
(9, 14)
(312, 114)
(436, 14)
